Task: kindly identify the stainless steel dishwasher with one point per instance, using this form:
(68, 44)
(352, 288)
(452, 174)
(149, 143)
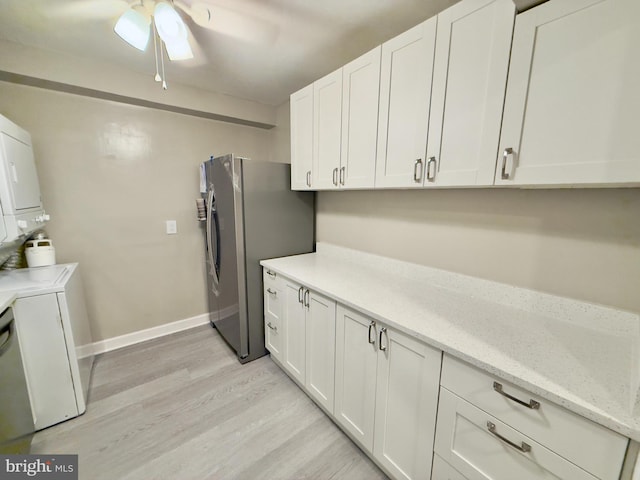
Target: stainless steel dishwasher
(16, 420)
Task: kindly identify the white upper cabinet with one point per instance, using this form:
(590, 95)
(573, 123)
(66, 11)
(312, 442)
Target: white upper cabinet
(301, 138)
(327, 128)
(405, 93)
(360, 93)
(572, 100)
(469, 80)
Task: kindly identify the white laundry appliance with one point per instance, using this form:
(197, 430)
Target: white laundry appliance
(55, 336)
(21, 209)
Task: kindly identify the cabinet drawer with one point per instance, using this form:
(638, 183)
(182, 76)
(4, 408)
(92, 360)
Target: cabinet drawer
(587, 444)
(481, 447)
(269, 278)
(443, 471)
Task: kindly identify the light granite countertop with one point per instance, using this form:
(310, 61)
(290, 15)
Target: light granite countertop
(582, 356)
(6, 299)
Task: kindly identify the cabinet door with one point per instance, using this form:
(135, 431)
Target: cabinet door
(356, 366)
(46, 364)
(405, 95)
(572, 104)
(321, 347)
(273, 331)
(301, 138)
(469, 80)
(406, 403)
(360, 97)
(327, 120)
(294, 330)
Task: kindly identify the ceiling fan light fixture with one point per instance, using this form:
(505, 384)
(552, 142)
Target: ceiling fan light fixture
(134, 27)
(172, 31)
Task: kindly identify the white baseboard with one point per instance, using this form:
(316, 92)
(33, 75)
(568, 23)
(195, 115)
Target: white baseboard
(132, 338)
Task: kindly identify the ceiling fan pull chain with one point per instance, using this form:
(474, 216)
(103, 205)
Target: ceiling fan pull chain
(164, 82)
(157, 78)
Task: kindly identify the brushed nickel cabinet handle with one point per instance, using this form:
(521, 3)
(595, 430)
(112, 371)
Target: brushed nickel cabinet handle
(416, 177)
(275, 329)
(308, 178)
(271, 274)
(533, 405)
(306, 298)
(523, 447)
(380, 346)
(505, 155)
(335, 176)
(300, 295)
(342, 175)
(272, 292)
(372, 326)
(431, 174)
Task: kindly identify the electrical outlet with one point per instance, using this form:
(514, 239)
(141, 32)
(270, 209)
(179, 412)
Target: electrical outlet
(172, 227)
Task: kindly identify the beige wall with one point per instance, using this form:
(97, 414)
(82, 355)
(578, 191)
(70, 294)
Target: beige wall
(111, 174)
(580, 243)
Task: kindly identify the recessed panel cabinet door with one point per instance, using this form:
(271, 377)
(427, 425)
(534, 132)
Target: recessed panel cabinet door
(572, 100)
(321, 347)
(406, 404)
(327, 128)
(360, 95)
(469, 81)
(301, 138)
(405, 94)
(356, 367)
(294, 327)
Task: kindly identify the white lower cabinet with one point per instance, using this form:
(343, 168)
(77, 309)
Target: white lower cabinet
(300, 335)
(492, 429)
(385, 389)
(293, 330)
(482, 447)
(356, 374)
(273, 294)
(387, 393)
(320, 347)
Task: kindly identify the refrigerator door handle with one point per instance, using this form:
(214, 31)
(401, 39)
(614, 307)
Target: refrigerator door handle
(215, 265)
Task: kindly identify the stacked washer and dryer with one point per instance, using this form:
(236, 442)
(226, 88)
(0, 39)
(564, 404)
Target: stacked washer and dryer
(51, 321)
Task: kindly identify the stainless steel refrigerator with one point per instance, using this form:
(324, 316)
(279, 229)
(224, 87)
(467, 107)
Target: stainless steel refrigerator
(251, 214)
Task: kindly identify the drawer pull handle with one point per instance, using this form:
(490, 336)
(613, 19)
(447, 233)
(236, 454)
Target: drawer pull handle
(271, 274)
(523, 447)
(275, 329)
(272, 292)
(300, 295)
(533, 405)
(380, 346)
(372, 327)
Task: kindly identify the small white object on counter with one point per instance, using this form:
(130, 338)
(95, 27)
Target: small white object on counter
(581, 356)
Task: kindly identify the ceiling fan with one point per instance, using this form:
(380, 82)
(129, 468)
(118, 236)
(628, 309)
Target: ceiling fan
(159, 18)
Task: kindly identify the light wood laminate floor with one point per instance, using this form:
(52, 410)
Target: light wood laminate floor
(182, 407)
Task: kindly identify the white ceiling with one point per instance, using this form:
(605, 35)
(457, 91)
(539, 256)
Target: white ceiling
(261, 50)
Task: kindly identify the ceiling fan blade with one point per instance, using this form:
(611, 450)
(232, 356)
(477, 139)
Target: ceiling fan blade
(229, 22)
